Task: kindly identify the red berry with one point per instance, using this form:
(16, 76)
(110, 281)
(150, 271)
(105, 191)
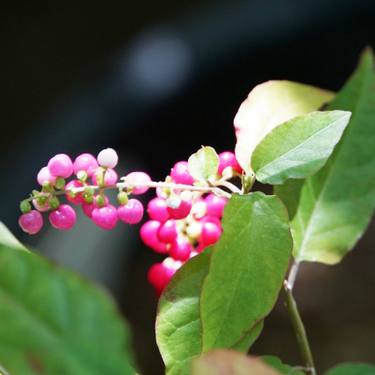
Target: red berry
(215, 205)
(167, 231)
(63, 217)
(149, 231)
(60, 166)
(85, 162)
(157, 209)
(181, 212)
(180, 174)
(105, 217)
(89, 207)
(31, 222)
(210, 233)
(131, 212)
(45, 175)
(139, 177)
(110, 177)
(228, 159)
(78, 199)
(180, 249)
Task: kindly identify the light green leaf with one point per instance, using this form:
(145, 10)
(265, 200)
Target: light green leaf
(53, 322)
(330, 210)
(203, 164)
(352, 369)
(299, 147)
(268, 105)
(276, 363)
(227, 362)
(7, 239)
(178, 325)
(247, 268)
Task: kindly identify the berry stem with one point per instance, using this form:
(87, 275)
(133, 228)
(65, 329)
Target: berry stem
(129, 184)
(299, 329)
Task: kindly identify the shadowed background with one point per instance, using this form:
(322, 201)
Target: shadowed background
(156, 80)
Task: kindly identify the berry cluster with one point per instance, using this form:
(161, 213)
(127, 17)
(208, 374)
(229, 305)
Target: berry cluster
(185, 216)
(183, 223)
(96, 206)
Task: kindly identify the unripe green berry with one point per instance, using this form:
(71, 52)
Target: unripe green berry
(60, 183)
(88, 195)
(122, 197)
(54, 203)
(100, 200)
(46, 187)
(25, 207)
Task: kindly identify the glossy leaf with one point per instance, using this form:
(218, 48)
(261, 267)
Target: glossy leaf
(299, 147)
(53, 322)
(352, 369)
(178, 326)
(227, 362)
(268, 105)
(330, 210)
(203, 164)
(247, 268)
(276, 363)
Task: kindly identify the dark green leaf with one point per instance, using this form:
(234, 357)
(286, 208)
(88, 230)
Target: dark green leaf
(247, 268)
(299, 147)
(53, 322)
(331, 209)
(352, 369)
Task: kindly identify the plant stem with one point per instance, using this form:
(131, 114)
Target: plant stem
(293, 274)
(299, 328)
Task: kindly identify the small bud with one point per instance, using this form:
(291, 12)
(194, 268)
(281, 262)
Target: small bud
(122, 197)
(54, 203)
(82, 176)
(25, 207)
(46, 187)
(60, 183)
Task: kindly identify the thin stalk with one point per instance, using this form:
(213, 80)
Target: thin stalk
(299, 329)
(293, 274)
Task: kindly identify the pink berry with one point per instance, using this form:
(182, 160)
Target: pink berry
(149, 231)
(215, 205)
(180, 174)
(180, 249)
(107, 158)
(181, 212)
(228, 159)
(210, 233)
(210, 219)
(139, 177)
(78, 199)
(43, 208)
(167, 232)
(60, 166)
(31, 222)
(45, 175)
(85, 162)
(110, 177)
(89, 207)
(105, 217)
(157, 209)
(63, 217)
(131, 212)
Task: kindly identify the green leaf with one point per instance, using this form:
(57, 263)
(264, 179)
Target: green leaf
(330, 210)
(247, 268)
(7, 239)
(203, 164)
(268, 105)
(352, 369)
(53, 322)
(279, 366)
(178, 325)
(299, 147)
(227, 362)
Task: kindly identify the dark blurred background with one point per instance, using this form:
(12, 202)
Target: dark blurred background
(156, 80)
